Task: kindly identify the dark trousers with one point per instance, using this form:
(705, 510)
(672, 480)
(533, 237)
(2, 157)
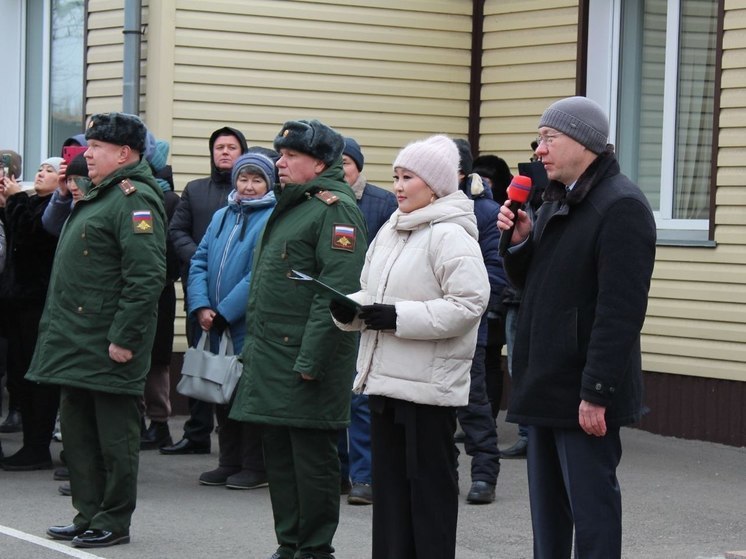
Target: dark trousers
(21, 331)
(572, 484)
(354, 442)
(157, 397)
(39, 405)
(303, 474)
(493, 361)
(240, 443)
(480, 431)
(415, 485)
(102, 452)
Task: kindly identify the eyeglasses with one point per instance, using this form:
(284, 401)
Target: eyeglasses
(548, 139)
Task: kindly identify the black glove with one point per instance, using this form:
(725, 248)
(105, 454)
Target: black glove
(219, 324)
(341, 312)
(379, 317)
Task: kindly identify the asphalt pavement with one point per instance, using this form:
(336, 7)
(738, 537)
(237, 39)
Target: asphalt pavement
(682, 499)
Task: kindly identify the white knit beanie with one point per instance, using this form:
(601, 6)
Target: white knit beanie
(435, 160)
(54, 162)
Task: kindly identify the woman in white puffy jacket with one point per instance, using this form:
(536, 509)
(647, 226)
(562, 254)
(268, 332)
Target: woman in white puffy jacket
(424, 289)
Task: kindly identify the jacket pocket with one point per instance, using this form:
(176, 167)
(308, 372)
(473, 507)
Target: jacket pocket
(283, 334)
(82, 303)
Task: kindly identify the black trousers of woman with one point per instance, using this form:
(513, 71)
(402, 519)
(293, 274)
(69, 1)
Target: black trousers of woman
(38, 402)
(415, 482)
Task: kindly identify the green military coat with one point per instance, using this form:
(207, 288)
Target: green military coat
(109, 270)
(289, 327)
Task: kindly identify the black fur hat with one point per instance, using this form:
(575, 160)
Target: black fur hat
(121, 129)
(465, 156)
(312, 137)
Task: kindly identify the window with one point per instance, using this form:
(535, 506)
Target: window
(661, 96)
(53, 77)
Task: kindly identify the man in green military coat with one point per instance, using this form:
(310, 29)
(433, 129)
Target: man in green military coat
(97, 329)
(297, 364)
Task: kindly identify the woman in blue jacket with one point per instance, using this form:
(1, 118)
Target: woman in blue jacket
(219, 280)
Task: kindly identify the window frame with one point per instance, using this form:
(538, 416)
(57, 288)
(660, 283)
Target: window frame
(600, 30)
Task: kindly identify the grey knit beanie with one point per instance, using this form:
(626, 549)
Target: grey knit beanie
(435, 160)
(580, 118)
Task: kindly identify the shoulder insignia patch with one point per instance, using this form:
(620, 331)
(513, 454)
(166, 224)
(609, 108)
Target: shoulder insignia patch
(327, 197)
(142, 222)
(343, 237)
(127, 187)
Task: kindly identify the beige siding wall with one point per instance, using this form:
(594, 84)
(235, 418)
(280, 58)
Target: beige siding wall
(104, 56)
(529, 61)
(386, 72)
(696, 323)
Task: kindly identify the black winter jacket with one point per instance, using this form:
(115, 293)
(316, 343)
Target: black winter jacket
(30, 252)
(199, 201)
(585, 274)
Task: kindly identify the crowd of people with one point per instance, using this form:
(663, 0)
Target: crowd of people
(359, 395)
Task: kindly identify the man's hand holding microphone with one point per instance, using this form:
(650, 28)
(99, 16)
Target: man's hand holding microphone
(512, 221)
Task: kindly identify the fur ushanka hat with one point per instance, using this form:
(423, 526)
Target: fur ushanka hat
(311, 137)
(121, 129)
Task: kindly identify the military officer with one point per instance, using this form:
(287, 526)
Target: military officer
(297, 364)
(95, 340)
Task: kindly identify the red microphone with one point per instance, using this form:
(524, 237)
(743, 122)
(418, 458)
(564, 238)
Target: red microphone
(519, 192)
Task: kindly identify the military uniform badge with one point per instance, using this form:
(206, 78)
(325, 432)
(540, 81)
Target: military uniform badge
(142, 222)
(343, 237)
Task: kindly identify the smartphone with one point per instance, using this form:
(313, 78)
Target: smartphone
(71, 152)
(6, 164)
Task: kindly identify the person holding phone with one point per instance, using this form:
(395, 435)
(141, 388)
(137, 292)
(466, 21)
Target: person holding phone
(23, 291)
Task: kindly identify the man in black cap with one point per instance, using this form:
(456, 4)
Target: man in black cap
(584, 267)
(297, 364)
(95, 341)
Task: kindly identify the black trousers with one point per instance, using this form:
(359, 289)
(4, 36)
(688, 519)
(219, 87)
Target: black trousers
(415, 484)
(480, 431)
(573, 485)
(240, 443)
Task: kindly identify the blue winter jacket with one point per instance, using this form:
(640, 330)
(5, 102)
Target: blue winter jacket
(220, 270)
(486, 210)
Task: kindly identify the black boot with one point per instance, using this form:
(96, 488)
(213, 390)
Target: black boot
(27, 459)
(12, 423)
(156, 436)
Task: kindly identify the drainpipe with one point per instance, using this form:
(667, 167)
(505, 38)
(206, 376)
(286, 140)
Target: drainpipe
(475, 82)
(131, 65)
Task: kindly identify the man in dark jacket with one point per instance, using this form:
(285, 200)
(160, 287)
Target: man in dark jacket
(199, 202)
(96, 333)
(476, 420)
(297, 377)
(585, 269)
(377, 206)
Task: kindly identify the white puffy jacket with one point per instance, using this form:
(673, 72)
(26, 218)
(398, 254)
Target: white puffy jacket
(429, 265)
